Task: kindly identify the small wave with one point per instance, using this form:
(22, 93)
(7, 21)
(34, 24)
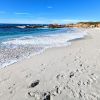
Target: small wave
(5, 64)
(46, 40)
(25, 46)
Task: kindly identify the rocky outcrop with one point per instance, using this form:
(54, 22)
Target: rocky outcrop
(77, 25)
(56, 26)
(85, 25)
(98, 25)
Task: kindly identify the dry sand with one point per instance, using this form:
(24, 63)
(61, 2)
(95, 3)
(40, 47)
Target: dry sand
(66, 73)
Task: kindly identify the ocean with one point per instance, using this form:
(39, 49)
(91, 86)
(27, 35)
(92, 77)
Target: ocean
(20, 43)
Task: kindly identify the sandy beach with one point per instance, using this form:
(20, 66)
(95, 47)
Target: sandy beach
(65, 73)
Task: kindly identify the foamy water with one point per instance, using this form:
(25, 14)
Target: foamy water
(46, 40)
(20, 47)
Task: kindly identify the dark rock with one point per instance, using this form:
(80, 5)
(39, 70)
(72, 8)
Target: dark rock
(46, 96)
(31, 94)
(71, 74)
(35, 83)
(58, 90)
(80, 64)
(56, 26)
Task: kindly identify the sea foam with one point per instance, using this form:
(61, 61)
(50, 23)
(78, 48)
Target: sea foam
(46, 40)
(22, 47)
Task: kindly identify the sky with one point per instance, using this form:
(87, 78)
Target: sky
(49, 11)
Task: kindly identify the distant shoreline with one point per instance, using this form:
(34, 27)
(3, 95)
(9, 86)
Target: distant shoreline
(72, 25)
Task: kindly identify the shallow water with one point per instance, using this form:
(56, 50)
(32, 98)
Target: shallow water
(17, 44)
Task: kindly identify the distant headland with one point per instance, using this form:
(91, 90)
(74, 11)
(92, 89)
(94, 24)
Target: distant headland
(71, 25)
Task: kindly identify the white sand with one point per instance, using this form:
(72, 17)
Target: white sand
(67, 73)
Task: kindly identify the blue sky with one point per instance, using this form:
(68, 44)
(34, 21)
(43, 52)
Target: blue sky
(49, 11)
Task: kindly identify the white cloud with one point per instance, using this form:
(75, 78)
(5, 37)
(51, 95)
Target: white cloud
(50, 7)
(21, 13)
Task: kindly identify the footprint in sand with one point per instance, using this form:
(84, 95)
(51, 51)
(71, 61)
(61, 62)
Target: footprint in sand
(11, 89)
(28, 75)
(40, 95)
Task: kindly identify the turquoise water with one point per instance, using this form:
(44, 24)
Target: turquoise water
(6, 33)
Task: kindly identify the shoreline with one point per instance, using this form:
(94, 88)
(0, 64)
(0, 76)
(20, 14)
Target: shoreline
(45, 49)
(62, 73)
(18, 58)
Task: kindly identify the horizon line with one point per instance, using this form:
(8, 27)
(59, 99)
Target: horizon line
(50, 23)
